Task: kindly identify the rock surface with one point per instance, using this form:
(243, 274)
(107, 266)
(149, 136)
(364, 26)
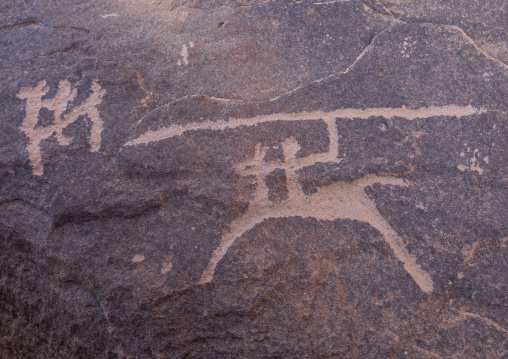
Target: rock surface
(253, 179)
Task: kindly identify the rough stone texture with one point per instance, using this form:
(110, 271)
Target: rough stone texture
(253, 179)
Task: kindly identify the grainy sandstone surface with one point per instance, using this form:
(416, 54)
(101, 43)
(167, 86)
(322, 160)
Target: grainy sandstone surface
(253, 179)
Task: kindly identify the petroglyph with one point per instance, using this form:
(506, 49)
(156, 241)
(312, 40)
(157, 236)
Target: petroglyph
(473, 161)
(349, 113)
(466, 315)
(138, 258)
(184, 54)
(408, 47)
(340, 200)
(62, 117)
(109, 15)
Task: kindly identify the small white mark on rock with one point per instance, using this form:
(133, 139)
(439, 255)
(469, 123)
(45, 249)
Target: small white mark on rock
(473, 161)
(460, 275)
(109, 15)
(487, 76)
(407, 47)
(166, 267)
(184, 54)
(138, 258)
(421, 206)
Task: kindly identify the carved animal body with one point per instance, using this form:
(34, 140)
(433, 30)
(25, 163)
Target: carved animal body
(340, 200)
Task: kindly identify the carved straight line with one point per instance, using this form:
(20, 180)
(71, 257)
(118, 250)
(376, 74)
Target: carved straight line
(349, 113)
(221, 99)
(248, 6)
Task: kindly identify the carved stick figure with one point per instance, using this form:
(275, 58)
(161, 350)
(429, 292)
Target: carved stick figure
(58, 104)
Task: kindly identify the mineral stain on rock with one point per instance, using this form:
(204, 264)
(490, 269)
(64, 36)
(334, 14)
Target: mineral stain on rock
(253, 179)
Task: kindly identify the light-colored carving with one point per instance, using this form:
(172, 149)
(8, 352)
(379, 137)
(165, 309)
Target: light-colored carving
(184, 54)
(138, 258)
(109, 15)
(166, 267)
(62, 117)
(349, 113)
(340, 200)
(408, 47)
(473, 161)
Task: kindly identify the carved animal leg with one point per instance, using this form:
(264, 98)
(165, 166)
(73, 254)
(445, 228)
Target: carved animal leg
(422, 278)
(249, 219)
(218, 253)
(238, 228)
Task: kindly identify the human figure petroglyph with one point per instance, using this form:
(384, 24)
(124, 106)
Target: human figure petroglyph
(339, 200)
(58, 104)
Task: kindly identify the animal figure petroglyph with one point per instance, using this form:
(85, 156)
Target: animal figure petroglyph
(340, 200)
(58, 104)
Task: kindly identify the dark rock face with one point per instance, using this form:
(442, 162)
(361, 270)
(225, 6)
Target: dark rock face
(253, 179)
